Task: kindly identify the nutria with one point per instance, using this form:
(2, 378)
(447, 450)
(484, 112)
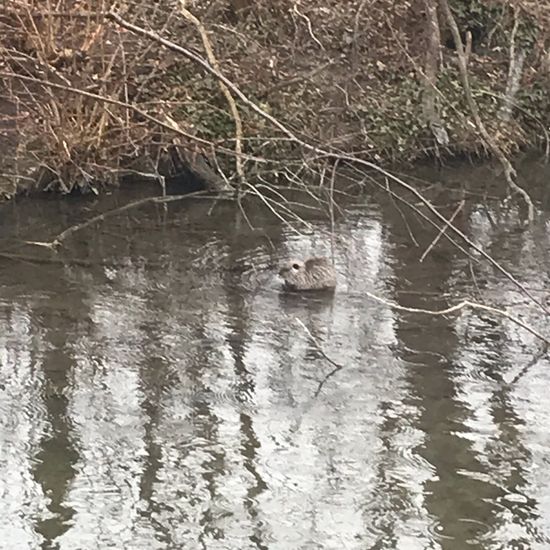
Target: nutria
(313, 274)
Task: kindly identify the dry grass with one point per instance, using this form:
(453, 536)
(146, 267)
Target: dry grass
(82, 140)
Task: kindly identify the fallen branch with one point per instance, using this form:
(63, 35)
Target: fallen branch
(457, 231)
(457, 307)
(542, 353)
(117, 19)
(393, 197)
(452, 309)
(58, 239)
(518, 107)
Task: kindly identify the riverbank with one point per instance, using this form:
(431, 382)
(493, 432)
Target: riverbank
(91, 99)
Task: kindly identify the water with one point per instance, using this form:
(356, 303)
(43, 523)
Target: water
(158, 391)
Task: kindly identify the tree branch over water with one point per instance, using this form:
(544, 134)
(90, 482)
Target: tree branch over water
(319, 150)
(464, 304)
(60, 238)
(442, 231)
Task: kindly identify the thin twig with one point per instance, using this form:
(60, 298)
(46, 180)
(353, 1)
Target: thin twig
(105, 99)
(453, 228)
(542, 353)
(298, 79)
(117, 19)
(317, 345)
(442, 230)
(309, 26)
(331, 209)
(313, 148)
(320, 349)
(457, 307)
(58, 239)
(403, 217)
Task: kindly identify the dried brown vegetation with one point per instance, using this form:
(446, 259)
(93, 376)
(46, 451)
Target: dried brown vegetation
(85, 101)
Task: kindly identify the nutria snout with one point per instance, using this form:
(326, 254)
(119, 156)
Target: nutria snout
(313, 274)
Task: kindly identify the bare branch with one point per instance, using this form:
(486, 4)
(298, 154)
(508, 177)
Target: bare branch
(58, 239)
(458, 307)
(225, 90)
(442, 230)
(319, 150)
(509, 171)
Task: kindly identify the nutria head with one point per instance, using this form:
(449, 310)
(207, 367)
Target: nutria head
(313, 274)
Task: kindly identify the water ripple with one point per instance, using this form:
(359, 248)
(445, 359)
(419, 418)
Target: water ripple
(470, 531)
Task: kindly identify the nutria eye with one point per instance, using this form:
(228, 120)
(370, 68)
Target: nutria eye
(295, 266)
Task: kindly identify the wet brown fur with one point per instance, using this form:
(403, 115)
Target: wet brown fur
(314, 274)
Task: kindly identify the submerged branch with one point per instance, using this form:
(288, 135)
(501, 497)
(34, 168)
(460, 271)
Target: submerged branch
(442, 230)
(464, 304)
(58, 239)
(458, 307)
(319, 151)
(320, 349)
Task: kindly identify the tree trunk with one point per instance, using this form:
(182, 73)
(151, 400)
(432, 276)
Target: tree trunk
(431, 69)
(515, 72)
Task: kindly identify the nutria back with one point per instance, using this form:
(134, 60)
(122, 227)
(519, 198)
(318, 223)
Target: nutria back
(314, 274)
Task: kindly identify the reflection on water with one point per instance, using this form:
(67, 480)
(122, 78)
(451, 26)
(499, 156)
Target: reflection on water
(162, 394)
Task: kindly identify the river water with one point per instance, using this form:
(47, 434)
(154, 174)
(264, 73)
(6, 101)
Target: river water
(157, 391)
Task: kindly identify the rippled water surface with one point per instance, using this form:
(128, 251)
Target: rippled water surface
(158, 391)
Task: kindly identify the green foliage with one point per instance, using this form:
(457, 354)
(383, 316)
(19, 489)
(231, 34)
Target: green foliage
(491, 24)
(478, 17)
(527, 33)
(534, 101)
